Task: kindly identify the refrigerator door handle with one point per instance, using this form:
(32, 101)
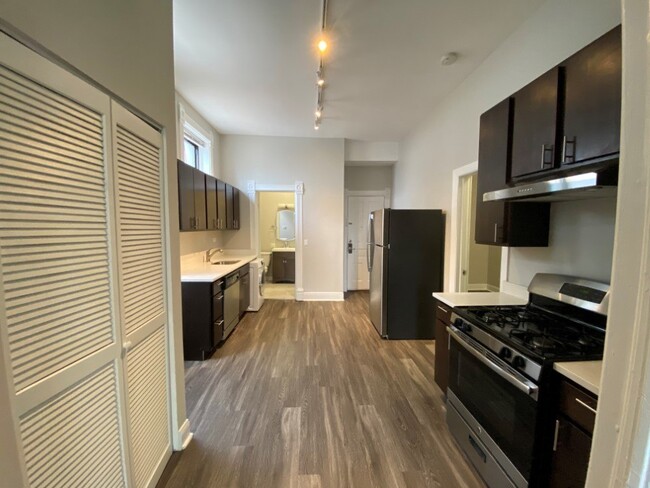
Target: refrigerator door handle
(370, 246)
(368, 260)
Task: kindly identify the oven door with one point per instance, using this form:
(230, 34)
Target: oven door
(501, 401)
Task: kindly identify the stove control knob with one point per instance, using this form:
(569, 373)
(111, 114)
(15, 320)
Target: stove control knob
(505, 353)
(519, 362)
(460, 324)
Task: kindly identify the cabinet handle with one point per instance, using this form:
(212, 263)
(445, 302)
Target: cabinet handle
(544, 151)
(580, 402)
(220, 298)
(440, 308)
(565, 142)
(495, 231)
(556, 435)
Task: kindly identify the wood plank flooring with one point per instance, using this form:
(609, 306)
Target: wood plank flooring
(306, 394)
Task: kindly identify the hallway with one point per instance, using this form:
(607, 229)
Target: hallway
(306, 394)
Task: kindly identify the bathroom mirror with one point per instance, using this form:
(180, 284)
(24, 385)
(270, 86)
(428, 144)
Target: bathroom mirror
(286, 225)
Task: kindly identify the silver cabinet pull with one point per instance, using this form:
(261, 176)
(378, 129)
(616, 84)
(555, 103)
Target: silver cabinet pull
(544, 151)
(555, 436)
(495, 231)
(564, 149)
(442, 309)
(580, 402)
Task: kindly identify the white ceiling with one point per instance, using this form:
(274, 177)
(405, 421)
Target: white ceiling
(249, 65)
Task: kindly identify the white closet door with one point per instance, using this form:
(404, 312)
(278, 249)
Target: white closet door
(138, 156)
(58, 293)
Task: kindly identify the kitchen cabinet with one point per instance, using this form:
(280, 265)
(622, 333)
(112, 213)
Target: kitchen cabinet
(592, 102)
(203, 318)
(211, 202)
(441, 362)
(244, 289)
(221, 205)
(498, 222)
(232, 207)
(284, 267)
(574, 427)
(191, 197)
(571, 115)
(535, 125)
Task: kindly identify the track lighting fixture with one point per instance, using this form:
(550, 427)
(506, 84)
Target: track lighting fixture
(320, 79)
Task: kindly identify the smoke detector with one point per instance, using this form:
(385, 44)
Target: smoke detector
(449, 58)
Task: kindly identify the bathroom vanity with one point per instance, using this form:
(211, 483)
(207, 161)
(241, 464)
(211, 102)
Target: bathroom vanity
(284, 265)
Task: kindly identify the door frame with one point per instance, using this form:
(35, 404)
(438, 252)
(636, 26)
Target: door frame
(456, 240)
(298, 189)
(386, 193)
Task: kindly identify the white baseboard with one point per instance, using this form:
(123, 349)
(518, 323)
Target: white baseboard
(477, 286)
(185, 433)
(322, 296)
(492, 288)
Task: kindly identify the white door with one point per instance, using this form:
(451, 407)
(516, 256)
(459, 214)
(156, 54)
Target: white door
(358, 209)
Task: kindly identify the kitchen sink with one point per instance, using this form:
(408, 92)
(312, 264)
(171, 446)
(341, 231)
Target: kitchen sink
(226, 262)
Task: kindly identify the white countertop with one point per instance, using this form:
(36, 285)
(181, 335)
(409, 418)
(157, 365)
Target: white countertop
(478, 299)
(585, 373)
(194, 269)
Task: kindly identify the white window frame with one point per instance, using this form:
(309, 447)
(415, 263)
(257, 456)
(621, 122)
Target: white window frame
(193, 131)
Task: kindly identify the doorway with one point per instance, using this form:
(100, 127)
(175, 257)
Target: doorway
(358, 208)
(277, 243)
(479, 266)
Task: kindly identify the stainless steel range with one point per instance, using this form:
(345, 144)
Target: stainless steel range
(501, 384)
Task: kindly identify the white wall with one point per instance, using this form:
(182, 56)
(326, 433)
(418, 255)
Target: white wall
(448, 139)
(319, 163)
(126, 47)
(268, 210)
(368, 178)
(361, 152)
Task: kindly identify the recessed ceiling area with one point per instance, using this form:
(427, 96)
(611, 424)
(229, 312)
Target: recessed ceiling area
(250, 67)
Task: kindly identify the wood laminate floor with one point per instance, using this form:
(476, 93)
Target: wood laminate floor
(306, 394)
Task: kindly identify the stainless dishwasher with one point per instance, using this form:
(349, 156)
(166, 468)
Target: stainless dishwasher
(231, 303)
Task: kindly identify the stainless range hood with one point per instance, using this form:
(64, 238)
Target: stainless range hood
(594, 184)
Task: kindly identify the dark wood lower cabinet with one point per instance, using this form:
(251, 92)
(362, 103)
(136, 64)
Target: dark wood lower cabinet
(244, 290)
(574, 425)
(202, 318)
(284, 267)
(441, 365)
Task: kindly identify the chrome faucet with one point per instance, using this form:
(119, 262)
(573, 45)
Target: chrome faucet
(211, 252)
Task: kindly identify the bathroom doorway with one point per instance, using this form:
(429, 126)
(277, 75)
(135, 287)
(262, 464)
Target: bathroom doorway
(277, 243)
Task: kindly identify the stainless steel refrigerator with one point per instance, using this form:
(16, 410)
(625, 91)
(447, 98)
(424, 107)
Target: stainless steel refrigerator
(405, 261)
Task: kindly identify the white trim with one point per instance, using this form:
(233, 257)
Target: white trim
(514, 290)
(482, 287)
(454, 246)
(322, 296)
(198, 134)
(185, 435)
(298, 188)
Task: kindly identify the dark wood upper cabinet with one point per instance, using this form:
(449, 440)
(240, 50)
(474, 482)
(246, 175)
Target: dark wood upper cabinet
(592, 102)
(504, 223)
(235, 208)
(200, 213)
(221, 205)
(211, 201)
(230, 211)
(186, 196)
(535, 126)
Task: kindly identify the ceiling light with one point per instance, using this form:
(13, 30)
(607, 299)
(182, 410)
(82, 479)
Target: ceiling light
(320, 82)
(322, 45)
(319, 112)
(316, 125)
(449, 58)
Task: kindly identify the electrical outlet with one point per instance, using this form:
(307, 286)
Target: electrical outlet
(306, 242)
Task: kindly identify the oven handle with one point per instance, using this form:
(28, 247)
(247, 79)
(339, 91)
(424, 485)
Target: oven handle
(481, 353)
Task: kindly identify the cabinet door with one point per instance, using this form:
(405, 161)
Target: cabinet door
(535, 126)
(592, 120)
(235, 208)
(200, 214)
(244, 293)
(186, 196)
(493, 158)
(571, 456)
(290, 267)
(441, 364)
(230, 211)
(278, 267)
(211, 202)
(221, 205)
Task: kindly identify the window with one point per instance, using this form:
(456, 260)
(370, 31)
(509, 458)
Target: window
(196, 144)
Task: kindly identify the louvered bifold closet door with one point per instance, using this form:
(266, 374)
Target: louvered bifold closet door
(137, 148)
(58, 290)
